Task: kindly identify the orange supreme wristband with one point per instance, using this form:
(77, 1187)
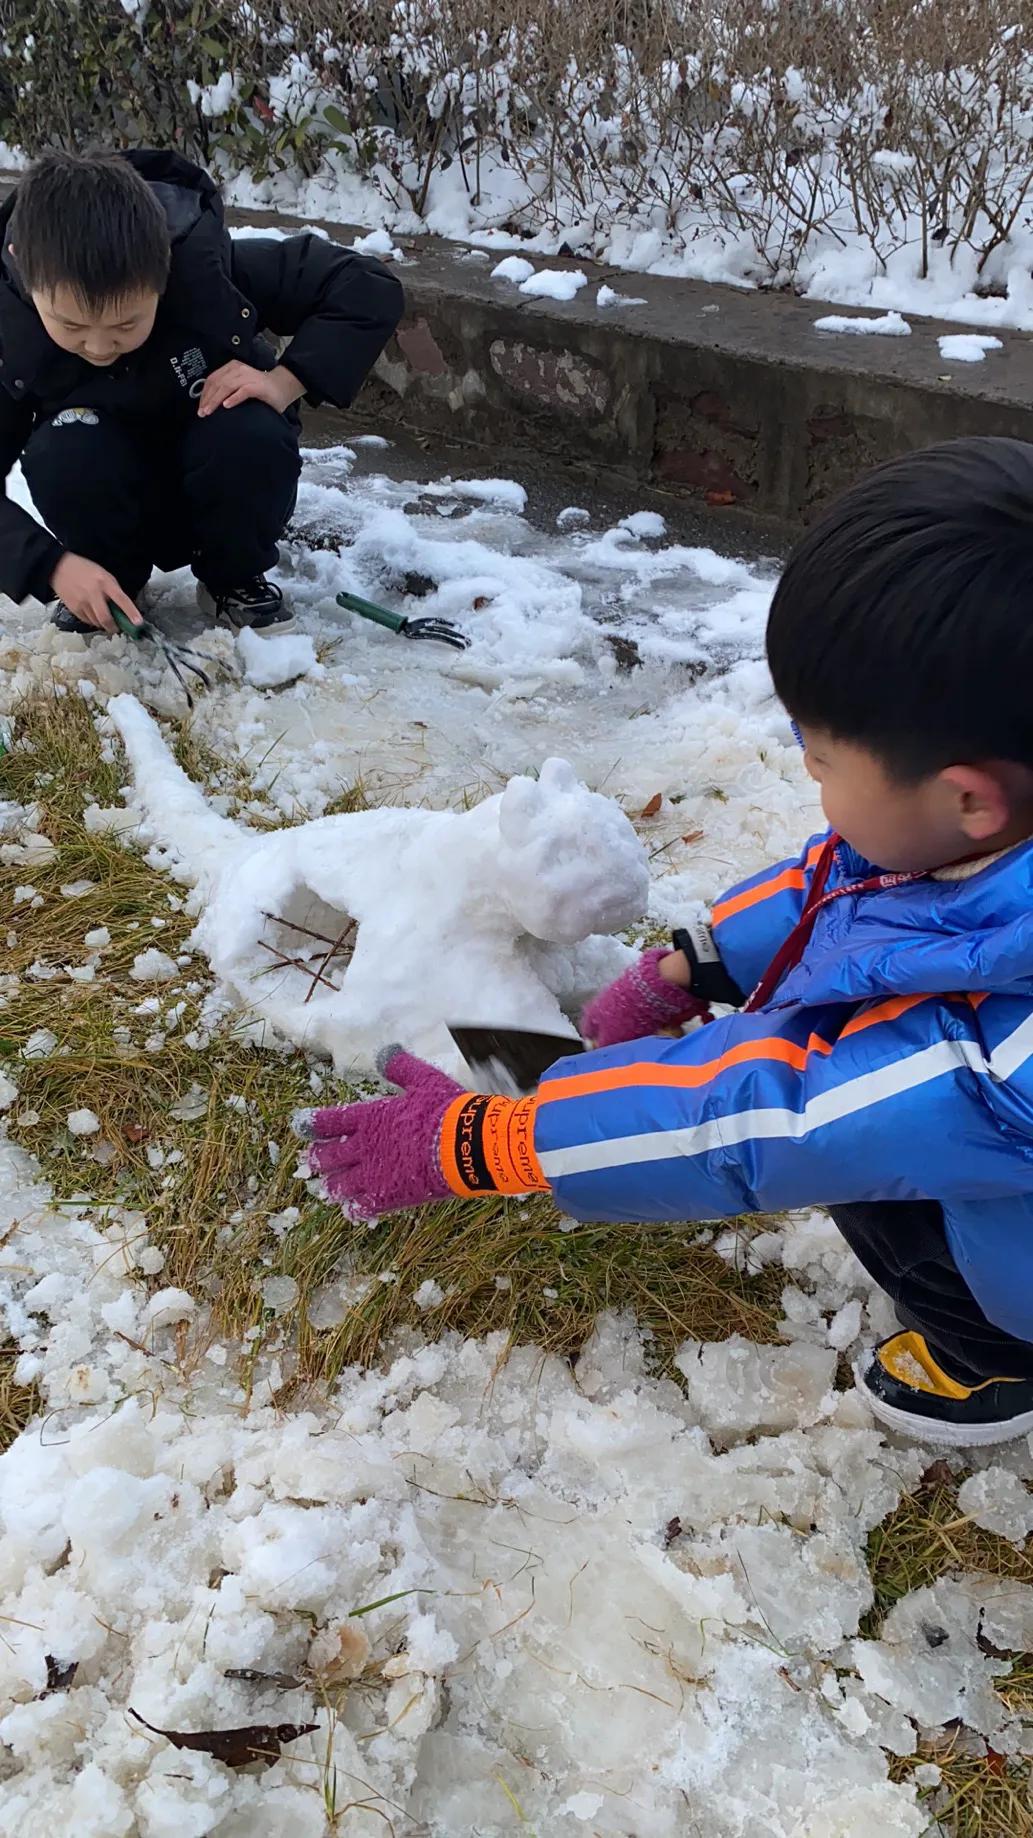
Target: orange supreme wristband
(487, 1145)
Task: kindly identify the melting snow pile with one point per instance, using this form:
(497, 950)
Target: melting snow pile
(446, 913)
(612, 1597)
(890, 325)
(967, 347)
(271, 662)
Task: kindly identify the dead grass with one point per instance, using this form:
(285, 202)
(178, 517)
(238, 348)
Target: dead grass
(980, 1795)
(215, 1186)
(928, 1537)
(17, 1402)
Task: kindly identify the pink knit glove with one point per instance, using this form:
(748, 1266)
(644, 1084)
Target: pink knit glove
(383, 1154)
(639, 1003)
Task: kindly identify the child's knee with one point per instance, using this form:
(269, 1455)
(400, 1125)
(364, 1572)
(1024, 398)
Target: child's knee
(81, 445)
(251, 438)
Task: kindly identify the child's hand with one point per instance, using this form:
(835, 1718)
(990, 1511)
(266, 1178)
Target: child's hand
(236, 382)
(384, 1154)
(647, 999)
(85, 588)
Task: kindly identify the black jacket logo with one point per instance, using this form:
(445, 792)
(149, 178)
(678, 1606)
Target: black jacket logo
(191, 370)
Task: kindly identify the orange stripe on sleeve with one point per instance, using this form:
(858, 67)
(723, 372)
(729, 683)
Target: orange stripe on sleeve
(623, 1078)
(885, 1011)
(790, 878)
(662, 1076)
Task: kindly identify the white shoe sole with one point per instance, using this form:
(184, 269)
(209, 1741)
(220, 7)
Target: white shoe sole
(946, 1435)
(206, 606)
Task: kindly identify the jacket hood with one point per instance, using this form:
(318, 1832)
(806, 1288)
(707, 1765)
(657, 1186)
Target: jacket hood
(183, 190)
(925, 937)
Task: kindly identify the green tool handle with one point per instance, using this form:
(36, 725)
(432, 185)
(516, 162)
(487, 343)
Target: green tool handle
(125, 625)
(368, 609)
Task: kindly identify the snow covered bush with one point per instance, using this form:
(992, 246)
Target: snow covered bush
(773, 138)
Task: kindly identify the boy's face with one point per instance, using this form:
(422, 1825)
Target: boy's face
(943, 818)
(99, 337)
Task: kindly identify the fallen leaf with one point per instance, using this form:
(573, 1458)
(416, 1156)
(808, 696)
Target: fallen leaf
(416, 586)
(59, 1677)
(940, 1474)
(625, 650)
(236, 1748)
(340, 1652)
(480, 603)
(136, 1132)
(995, 1763)
(672, 1530)
(284, 1681)
(693, 836)
(650, 809)
(987, 1646)
(717, 499)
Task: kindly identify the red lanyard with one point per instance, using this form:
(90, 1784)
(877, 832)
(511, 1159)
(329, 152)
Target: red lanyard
(789, 954)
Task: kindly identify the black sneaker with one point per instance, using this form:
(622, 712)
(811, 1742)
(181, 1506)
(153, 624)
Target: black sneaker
(909, 1392)
(257, 603)
(67, 622)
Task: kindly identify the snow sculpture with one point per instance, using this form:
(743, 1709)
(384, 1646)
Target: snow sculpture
(497, 915)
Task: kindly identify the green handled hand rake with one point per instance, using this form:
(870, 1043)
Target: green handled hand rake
(437, 631)
(178, 657)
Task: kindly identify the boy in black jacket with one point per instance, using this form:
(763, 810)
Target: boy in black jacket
(154, 424)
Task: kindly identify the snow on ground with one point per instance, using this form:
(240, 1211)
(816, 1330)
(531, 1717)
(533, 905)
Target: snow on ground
(608, 296)
(554, 284)
(889, 325)
(967, 347)
(621, 1606)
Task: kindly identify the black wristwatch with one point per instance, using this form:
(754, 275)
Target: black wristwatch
(710, 980)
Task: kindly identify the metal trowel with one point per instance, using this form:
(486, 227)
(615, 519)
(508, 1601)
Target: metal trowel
(510, 1060)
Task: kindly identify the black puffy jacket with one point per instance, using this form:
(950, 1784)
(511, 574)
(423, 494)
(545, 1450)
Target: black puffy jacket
(337, 307)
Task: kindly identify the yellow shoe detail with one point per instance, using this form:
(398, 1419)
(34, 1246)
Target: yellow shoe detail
(907, 1359)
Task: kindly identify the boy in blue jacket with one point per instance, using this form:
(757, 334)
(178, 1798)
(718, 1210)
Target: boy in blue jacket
(879, 1059)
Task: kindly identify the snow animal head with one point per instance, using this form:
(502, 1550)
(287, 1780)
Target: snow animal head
(569, 863)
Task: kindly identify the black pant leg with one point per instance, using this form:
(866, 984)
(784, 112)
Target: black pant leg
(239, 482)
(903, 1245)
(93, 482)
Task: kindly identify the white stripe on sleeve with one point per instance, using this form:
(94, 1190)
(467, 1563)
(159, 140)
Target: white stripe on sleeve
(844, 1100)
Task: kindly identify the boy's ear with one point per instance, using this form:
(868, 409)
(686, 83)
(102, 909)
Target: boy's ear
(981, 798)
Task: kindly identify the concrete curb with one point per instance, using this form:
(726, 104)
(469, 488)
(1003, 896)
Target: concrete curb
(715, 395)
(705, 391)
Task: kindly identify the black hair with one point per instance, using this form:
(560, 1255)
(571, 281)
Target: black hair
(91, 223)
(904, 618)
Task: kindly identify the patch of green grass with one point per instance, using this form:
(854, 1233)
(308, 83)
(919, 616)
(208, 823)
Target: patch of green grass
(213, 1190)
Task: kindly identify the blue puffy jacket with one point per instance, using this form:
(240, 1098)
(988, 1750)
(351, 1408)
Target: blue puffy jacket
(894, 1062)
